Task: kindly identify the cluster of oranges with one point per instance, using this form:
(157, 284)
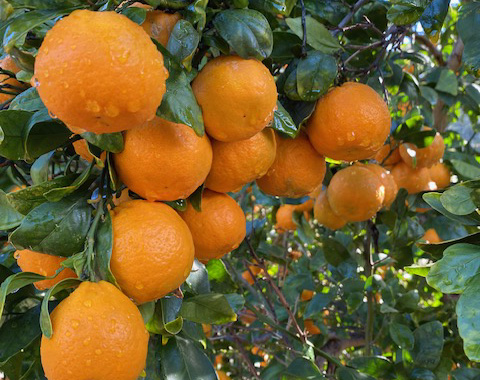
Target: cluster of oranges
(100, 72)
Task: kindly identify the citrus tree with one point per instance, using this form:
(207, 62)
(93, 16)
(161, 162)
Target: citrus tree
(239, 189)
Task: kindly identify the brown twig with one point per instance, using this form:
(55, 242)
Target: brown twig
(430, 47)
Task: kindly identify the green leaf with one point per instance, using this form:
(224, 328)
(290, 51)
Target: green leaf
(59, 193)
(18, 333)
(39, 169)
(283, 123)
(236, 301)
(277, 7)
(109, 142)
(174, 4)
(183, 43)
(179, 104)
(335, 252)
(302, 368)
(147, 310)
(56, 228)
(220, 279)
(433, 17)
(103, 247)
(208, 308)
(136, 14)
(345, 373)
(12, 124)
(247, 32)
(198, 278)
(438, 249)
(429, 93)
(196, 14)
(15, 282)
(317, 304)
(433, 199)
(179, 205)
(318, 36)
(457, 200)
(428, 345)
(9, 216)
(311, 78)
(27, 199)
(451, 274)
(402, 336)
(465, 169)
(468, 26)
(422, 374)
(377, 366)
(28, 100)
(183, 359)
(165, 320)
(45, 322)
(404, 13)
(447, 82)
(17, 31)
(196, 199)
(468, 319)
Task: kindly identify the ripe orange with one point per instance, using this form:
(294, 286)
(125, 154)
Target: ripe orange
(247, 276)
(350, 123)
(305, 206)
(423, 157)
(413, 180)
(237, 163)
(431, 236)
(355, 193)
(324, 215)
(207, 330)
(159, 25)
(218, 229)
(297, 170)
(237, 96)
(388, 182)
(222, 375)
(440, 174)
(284, 218)
(153, 249)
(295, 255)
(46, 265)
(98, 333)
(9, 64)
(163, 161)
(247, 317)
(388, 155)
(81, 148)
(115, 86)
(306, 295)
(311, 328)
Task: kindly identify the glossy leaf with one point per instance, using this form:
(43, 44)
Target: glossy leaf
(318, 36)
(183, 43)
(377, 366)
(246, 31)
(404, 13)
(110, 142)
(198, 278)
(428, 345)
(433, 199)
(457, 200)
(277, 7)
(208, 308)
(433, 17)
(166, 320)
(57, 228)
(301, 368)
(9, 216)
(39, 169)
(468, 319)
(28, 100)
(345, 373)
(402, 336)
(283, 123)
(103, 247)
(468, 26)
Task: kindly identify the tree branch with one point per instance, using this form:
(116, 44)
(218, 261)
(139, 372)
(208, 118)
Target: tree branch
(431, 48)
(350, 15)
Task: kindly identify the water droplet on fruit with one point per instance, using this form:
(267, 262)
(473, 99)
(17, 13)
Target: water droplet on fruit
(133, 106)
(65, 85)
(46, 74)
(87, 303)
(86, 342)
(75, 323)
(124, 57)
(73, 47)
(139, 286)
(111, 110)
(45, 51)
(89, 318)
(88, 362)
(98, 351)
(93, 106)
(118, 354)
(68, 333)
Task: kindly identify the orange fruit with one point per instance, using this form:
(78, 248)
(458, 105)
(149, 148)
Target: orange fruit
(306, 295)
(222, 375)
(324, 215)
(116, 86)
(98, 333)
(350, 123)
(153, 249)
(440, 174)
(310, 327)
(247, 317)
(388, 182)
(296, 255)
(255, 269)
(297, 170)
(81, 148)
(315, 193)
(431, 236)
(218, 229)
(124, 197)
(163, 161)
(237, 96)
(305, 206)
(237, 163)
(388, 155)
(9, 64)
(355, 193)
(247, 276)
(159, 25)
(207, 330)
(284, 218)
(423, 157)
(46, 265)
(413, 180)
(17, 188)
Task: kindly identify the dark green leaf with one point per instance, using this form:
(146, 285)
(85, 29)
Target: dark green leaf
(434, 16)
(196, 199)
(165, 320)
(404, 13)
(283, 123)
(447, 82)
(28, 100)
(345, 373)
(179, 104)
(208, 308)
(9, 216)
(468, 319)
(335, 252)
(428, 345)
(468, 26)
(317, 304)
(458, 200)
(175, 4)
(57, 228)
(59, 193)
(219, 277)
(433, 199)
(438, 249)
(110, 142)
(103, 248)
(377, 366)
(12, 124)
(318, 36)
(277, 7)
(402, 336)
(135, 14)
(422, 374)
(246, 31)
(301, 368)
(183, 43)
(465, 169)
(39, 169)
(198, 278)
